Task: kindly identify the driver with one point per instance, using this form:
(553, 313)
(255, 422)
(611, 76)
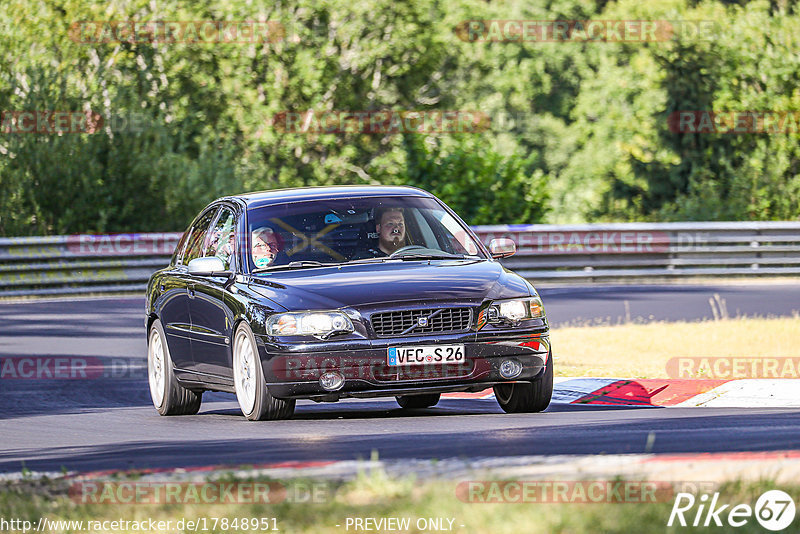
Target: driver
(266, 245)
(391, 229)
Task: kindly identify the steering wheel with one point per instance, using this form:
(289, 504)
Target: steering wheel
(406, 248)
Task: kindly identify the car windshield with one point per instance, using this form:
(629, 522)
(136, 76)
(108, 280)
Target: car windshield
(335, 231)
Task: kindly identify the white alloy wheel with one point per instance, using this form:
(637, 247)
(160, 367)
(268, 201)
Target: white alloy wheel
(245, 375)
(155, 368)
(169, 396)
(248, 380)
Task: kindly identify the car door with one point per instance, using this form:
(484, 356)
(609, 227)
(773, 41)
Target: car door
(212, 321)
(174, 313)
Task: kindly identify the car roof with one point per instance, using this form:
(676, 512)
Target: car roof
(299, 194)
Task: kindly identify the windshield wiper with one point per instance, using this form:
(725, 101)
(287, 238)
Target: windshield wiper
(444, 256)
(293, 265)
(304, 264)
(383, 259)
(379, 259)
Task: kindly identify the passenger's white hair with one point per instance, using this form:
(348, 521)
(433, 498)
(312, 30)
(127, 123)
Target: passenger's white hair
(263, 230)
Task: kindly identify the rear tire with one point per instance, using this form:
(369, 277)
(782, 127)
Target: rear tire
(169, 397)
(527, 396)
(415, 402)
(251, 387)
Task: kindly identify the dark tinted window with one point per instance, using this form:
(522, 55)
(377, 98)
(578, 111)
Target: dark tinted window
(196, 242)
(177, 255)
(221, 240)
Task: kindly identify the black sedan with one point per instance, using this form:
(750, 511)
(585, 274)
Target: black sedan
(337, 292)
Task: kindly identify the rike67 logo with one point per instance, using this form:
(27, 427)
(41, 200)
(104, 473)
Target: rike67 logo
(774, 510)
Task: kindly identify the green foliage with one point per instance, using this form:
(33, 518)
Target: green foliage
(749, 64)
(482, 186)
(578, 130)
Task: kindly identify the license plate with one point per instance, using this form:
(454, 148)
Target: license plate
(424, 355)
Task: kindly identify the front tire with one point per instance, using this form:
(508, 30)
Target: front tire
(248, 378)
(527, 396)
(415, 402)
(169, 397)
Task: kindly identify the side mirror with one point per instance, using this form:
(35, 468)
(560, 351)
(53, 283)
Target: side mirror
(502, 247)
(207, 266)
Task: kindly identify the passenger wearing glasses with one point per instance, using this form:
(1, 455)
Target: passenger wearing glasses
(266, 244)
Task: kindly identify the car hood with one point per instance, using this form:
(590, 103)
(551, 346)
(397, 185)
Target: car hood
(367, 285)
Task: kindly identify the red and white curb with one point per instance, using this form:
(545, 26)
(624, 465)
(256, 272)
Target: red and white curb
(747, 393)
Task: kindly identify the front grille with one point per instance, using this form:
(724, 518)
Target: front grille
(439, 320)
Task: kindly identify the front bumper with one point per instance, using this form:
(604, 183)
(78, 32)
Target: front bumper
(293, 370)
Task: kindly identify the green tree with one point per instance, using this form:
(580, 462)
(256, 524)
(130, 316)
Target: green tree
(482, 186)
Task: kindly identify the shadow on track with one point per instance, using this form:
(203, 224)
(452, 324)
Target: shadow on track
(26, 398)
(573, 432)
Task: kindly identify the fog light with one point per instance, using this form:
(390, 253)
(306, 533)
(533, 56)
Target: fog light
(510, 368)
(331, 380)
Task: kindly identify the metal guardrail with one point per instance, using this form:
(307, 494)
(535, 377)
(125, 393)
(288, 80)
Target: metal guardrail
(75, 264)
(62, 265)
(595, 252)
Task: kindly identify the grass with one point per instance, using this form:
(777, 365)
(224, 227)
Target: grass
(642, 350)
(627, 350)
(376, 495)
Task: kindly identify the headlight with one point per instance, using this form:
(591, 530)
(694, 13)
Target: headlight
(512, 311)
(516, 310)
(320, 324)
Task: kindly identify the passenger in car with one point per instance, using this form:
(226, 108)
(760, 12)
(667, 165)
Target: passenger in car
(266, 245)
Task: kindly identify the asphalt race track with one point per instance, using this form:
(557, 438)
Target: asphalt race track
(108, 422)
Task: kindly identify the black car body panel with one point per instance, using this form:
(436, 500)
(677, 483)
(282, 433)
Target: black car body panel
(200, 313)
(369, 284)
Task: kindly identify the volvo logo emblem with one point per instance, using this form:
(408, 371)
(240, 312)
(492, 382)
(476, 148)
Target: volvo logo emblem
(422, 321)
